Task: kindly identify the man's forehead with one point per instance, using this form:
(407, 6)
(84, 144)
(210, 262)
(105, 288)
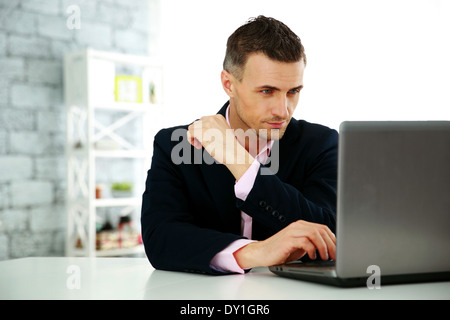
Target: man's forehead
(263, 71)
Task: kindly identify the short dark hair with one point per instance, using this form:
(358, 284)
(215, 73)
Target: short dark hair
(262, 34)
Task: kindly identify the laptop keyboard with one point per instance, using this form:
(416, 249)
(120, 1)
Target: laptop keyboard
(316, 264)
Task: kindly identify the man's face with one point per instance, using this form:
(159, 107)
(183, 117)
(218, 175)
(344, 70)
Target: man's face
(266, 96)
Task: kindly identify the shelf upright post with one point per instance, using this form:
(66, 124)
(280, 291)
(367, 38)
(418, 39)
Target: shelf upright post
(77, 153)
(91, 243)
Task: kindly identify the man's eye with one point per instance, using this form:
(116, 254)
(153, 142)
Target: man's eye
(294, 91)
(266, 91)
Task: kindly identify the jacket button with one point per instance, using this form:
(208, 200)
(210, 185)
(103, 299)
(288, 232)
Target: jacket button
(282, 218)
(262, 204)
(275, 213)
(269, 209)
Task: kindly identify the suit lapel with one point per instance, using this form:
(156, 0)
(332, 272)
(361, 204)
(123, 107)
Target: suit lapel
(220, 183)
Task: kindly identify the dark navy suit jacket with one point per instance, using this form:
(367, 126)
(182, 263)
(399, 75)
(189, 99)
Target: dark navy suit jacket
(190, 211)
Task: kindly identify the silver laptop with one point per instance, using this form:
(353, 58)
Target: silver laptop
(393, 206)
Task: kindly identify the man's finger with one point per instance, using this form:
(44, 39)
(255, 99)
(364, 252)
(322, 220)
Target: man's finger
(193, 141)
(307, 245)
(331, 245)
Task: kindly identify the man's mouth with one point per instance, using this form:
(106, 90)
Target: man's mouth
(276, 124)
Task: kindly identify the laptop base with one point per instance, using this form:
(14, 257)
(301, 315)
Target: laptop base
(360, 281)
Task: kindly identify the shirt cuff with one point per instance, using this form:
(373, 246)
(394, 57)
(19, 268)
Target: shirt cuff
(224, 261)
(245, 184)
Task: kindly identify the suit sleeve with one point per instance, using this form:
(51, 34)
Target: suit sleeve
(274, 204)
(172, 238)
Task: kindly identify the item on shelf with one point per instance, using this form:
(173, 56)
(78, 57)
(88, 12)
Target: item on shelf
(98, 191)
(107, 144)
(107, 226)
(121, 189)
(128, 89)
(128, 236)
(125, 223)
(106, 237)
(152, 93)
(107, 240)
(98, 223)
(125, 236)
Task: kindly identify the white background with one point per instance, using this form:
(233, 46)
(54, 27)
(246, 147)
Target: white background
(367, 60)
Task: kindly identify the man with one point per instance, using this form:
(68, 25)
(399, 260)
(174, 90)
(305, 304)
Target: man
(249, 186)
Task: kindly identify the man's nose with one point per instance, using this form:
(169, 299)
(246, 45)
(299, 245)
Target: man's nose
(280, 110)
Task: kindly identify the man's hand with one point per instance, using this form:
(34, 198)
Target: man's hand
(214, 134)
(289, 244)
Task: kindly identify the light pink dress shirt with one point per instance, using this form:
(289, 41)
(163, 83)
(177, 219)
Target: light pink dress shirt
(224, 260)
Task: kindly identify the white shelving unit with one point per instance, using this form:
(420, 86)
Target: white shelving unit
(89, 88)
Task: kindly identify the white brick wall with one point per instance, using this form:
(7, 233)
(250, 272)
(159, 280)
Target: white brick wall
(17, 119)
(95, 34)
(14, 220)
(12, 68)
(28, 193)
(33, 40)
(2, 43)
(16, 20)
(34, 95)
(42, 6)
(30, 142)
(53, 27)
(44, 71)
(26, 46)
(15, 168)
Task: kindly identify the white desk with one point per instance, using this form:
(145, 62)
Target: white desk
(134, 278)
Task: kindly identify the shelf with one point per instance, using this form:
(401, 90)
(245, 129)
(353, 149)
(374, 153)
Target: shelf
(120, 153)
(138, 154)
(120, 252)
(128, 106)
(117, 202)
(128, 59)
(139, 249)
(101, 133)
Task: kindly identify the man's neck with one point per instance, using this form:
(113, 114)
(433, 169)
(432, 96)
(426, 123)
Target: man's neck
(246, 136)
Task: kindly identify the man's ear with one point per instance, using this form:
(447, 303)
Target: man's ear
(227, 82)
